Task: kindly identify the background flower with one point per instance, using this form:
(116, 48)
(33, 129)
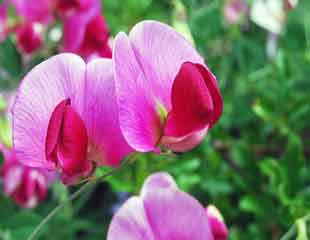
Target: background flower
(26, 186)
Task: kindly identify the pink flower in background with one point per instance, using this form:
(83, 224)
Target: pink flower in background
(90, 38)
(65, 117)
(3, 22)
(25, 185)
(95, 42)
(67, 8)
(35, 11)
(218, 227)
(29, 37)
(162, 211)
(290, 4)
(235, 10)
(166, 94)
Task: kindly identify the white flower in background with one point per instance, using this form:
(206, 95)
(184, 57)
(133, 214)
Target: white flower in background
(269, 14)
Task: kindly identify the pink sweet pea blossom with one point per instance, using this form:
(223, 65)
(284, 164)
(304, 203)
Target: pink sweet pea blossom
(25, 185)
(166, 94)
(235, 10)
(90, 38)
(162, 211)
(29, 37)
(35, 11)
(65, 117)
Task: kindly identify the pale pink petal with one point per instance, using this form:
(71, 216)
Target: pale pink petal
(165, 50)
(186, 143)
(160, 180)
(173, 214)
(139, 119)
(161, 212)
(101, 115)
(56, 79)
(130, 222)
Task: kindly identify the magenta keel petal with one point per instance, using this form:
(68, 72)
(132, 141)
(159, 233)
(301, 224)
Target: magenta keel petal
(192, 105)
(67, 142)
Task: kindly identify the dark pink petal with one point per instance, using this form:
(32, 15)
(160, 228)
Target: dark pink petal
(95, 40)
(26, 186)
(44, 87)
(215, 92)
(107, 144)
(67, 8)
(54, 128)
(192, 105)
(73, 35)
(36, 186)
(139, 119)
(67, 142)
(28, 39)
(72, 146)
(218, 227)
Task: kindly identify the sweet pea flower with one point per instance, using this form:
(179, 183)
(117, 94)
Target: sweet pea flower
(162, 211)
(235, 11)
(25, 185)
(166, 94)
(35, 11)
(90, 38)
(29, 37)
(65, 117)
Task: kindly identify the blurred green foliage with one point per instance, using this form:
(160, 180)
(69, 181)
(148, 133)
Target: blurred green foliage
(254, 164)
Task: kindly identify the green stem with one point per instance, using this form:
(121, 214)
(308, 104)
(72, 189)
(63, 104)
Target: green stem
(82, 189)
(293, 230)
(58, 208)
